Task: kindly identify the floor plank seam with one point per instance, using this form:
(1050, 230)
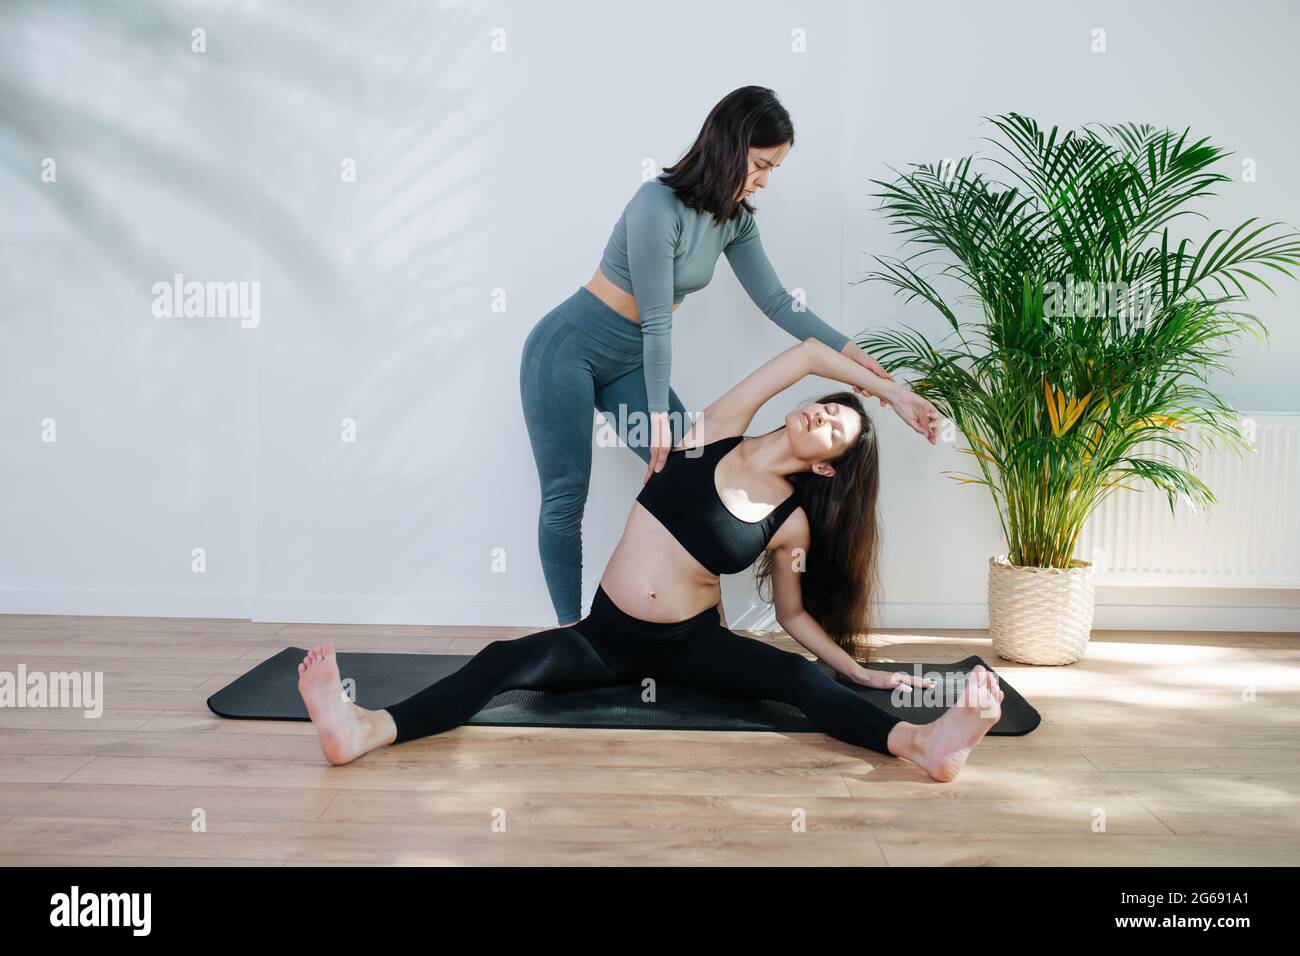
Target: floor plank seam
(1160, 819)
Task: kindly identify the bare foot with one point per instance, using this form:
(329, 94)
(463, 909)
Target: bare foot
(941, 748)
(342, 734)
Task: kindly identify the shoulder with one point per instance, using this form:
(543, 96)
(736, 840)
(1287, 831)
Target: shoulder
(795, 532)
(708, 430)
(745, 227)
(654, 201)
(658, 193)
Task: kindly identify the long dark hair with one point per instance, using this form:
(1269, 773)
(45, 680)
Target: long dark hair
(710, 175)
(841, 575)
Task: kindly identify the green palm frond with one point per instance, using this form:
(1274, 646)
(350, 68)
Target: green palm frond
(1061, 408)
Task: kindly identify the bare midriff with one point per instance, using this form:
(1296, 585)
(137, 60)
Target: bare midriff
(651, 576)
(621, 302)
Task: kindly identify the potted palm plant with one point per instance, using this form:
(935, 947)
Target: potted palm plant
(1084, 329)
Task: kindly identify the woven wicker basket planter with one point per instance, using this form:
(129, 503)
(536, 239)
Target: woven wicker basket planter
(1040, 615)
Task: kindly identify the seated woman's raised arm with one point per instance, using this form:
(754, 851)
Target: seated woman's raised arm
(733, 411)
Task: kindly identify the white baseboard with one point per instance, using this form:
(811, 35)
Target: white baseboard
(127, 603)
(315, 610)
(1233, 611)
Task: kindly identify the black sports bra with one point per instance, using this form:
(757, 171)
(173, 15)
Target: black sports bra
(684, 498)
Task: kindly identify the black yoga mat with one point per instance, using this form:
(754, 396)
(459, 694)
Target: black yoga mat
(270, 692)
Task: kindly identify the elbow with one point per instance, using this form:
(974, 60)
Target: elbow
(784, 618)
(811, 360)
(656, 320)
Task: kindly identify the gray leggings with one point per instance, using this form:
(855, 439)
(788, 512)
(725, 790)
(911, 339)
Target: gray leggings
(581, 356)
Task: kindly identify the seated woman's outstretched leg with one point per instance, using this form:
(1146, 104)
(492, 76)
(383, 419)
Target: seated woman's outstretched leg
(556, 659)
(723, 662)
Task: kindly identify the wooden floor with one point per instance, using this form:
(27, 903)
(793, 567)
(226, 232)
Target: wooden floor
(1158, 748)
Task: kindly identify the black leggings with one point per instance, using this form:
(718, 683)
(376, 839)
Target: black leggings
(609, 646)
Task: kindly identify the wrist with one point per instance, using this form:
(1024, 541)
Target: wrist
(880, 384)
(853, 670)
(890, 390)
(887, 390)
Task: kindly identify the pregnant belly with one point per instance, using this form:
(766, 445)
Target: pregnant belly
(651, 576)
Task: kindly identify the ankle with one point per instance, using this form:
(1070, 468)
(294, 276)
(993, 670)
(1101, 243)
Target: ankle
(906, 740)
(377, 727)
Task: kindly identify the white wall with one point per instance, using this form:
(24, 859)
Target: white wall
(480, 171)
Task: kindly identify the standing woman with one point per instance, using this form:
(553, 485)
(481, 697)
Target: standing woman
(608, 345)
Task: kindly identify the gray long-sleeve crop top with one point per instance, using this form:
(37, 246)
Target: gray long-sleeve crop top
(661, 249)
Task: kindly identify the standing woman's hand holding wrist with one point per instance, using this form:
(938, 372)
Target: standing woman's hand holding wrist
(862, 358)
(915, 410)
(661, 442)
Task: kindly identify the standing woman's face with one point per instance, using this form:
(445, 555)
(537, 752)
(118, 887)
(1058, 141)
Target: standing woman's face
(761, 162)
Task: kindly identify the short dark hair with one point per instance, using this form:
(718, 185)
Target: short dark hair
(713, 170)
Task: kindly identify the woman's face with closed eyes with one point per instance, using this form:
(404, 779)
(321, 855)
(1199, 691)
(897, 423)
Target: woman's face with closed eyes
(761, 162)
(821, 431)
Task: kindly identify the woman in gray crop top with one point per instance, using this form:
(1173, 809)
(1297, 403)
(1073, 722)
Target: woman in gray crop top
(608, 345)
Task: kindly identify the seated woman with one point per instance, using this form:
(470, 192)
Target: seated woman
(804, 497)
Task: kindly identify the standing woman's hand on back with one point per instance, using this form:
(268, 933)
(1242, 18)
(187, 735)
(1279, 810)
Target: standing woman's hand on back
(661, 442)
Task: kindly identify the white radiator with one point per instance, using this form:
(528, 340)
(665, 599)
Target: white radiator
(1251, 538)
